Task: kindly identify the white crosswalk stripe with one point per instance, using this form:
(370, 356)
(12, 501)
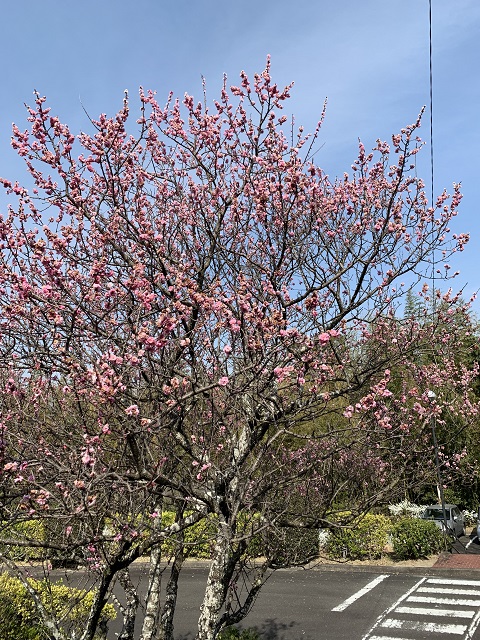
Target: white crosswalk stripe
(391, 623)
(448, 613)
(452, 601)
(456, 592)
(434, 608)
(451, 581)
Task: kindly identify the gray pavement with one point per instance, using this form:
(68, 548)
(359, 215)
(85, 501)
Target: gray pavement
(340, 601)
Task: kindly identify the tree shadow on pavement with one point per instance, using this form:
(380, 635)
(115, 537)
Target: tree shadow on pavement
(271, 629)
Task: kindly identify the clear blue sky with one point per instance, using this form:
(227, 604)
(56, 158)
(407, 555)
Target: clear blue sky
(369, 57)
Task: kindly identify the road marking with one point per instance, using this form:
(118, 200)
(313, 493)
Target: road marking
(457, 629)
(473, 626)
(371, 585)
(465, 583)
(472, 540)
(389, 610)
(384, 638)
(455, 601)
(450, 613)
(454, 592)
(456, 607)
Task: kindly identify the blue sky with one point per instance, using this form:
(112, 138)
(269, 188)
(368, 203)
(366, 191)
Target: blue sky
(368, 57)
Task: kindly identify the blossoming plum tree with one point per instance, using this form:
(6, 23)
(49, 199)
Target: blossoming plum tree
(194, 316)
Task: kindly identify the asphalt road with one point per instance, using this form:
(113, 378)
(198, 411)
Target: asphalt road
(345, 604)
(339, 603)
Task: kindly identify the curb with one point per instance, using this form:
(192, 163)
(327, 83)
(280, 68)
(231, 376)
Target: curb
(444, 564)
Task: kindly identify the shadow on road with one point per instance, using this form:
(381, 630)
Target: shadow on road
(467, 544)
(271, 629)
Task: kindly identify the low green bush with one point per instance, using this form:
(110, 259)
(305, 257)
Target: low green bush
(293, 545)
(198, 538)
(413, 538)
(366, 539)
(19, 618)
(26, 531)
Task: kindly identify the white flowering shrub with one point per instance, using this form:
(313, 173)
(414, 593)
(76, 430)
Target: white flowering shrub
(470, 517)
(406, 508)
(323, 536)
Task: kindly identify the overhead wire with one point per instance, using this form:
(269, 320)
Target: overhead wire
(432, 175)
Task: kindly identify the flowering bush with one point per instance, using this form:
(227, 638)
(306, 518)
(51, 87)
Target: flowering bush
(470, 516)
(406, 508)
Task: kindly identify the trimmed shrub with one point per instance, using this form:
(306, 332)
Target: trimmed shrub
(293, 545)
(26, 531)
(366, 539)
(198, 538)
(414, 538)
(19, 619)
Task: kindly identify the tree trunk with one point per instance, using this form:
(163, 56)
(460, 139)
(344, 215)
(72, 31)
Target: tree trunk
(150, 626)
(214, 598)
(171, 591)
(130, 609)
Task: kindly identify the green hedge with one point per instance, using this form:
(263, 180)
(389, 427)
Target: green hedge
(198, 538)
(19, 619)
(366, 539)
(287, 544)
(28, 530)
(413, 538)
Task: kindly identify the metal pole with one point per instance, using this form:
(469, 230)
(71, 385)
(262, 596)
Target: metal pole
(431, 395)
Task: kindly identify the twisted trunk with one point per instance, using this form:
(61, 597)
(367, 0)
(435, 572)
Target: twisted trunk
(130, 609)
(214, 598)
(153, 601)
(171, 591)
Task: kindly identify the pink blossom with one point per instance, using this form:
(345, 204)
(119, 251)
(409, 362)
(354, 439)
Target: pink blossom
(234, 325)
(132, 410)
(223, 381)
(283, 372)
(348, 413)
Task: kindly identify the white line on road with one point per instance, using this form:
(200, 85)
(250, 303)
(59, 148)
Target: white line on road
(464, 583)
(473, 627)
(472, 540)
(390, 609)
(360, 593)
(453, 592)
(448, 613)
(384, 638)
(455, 601)
(457, 629)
